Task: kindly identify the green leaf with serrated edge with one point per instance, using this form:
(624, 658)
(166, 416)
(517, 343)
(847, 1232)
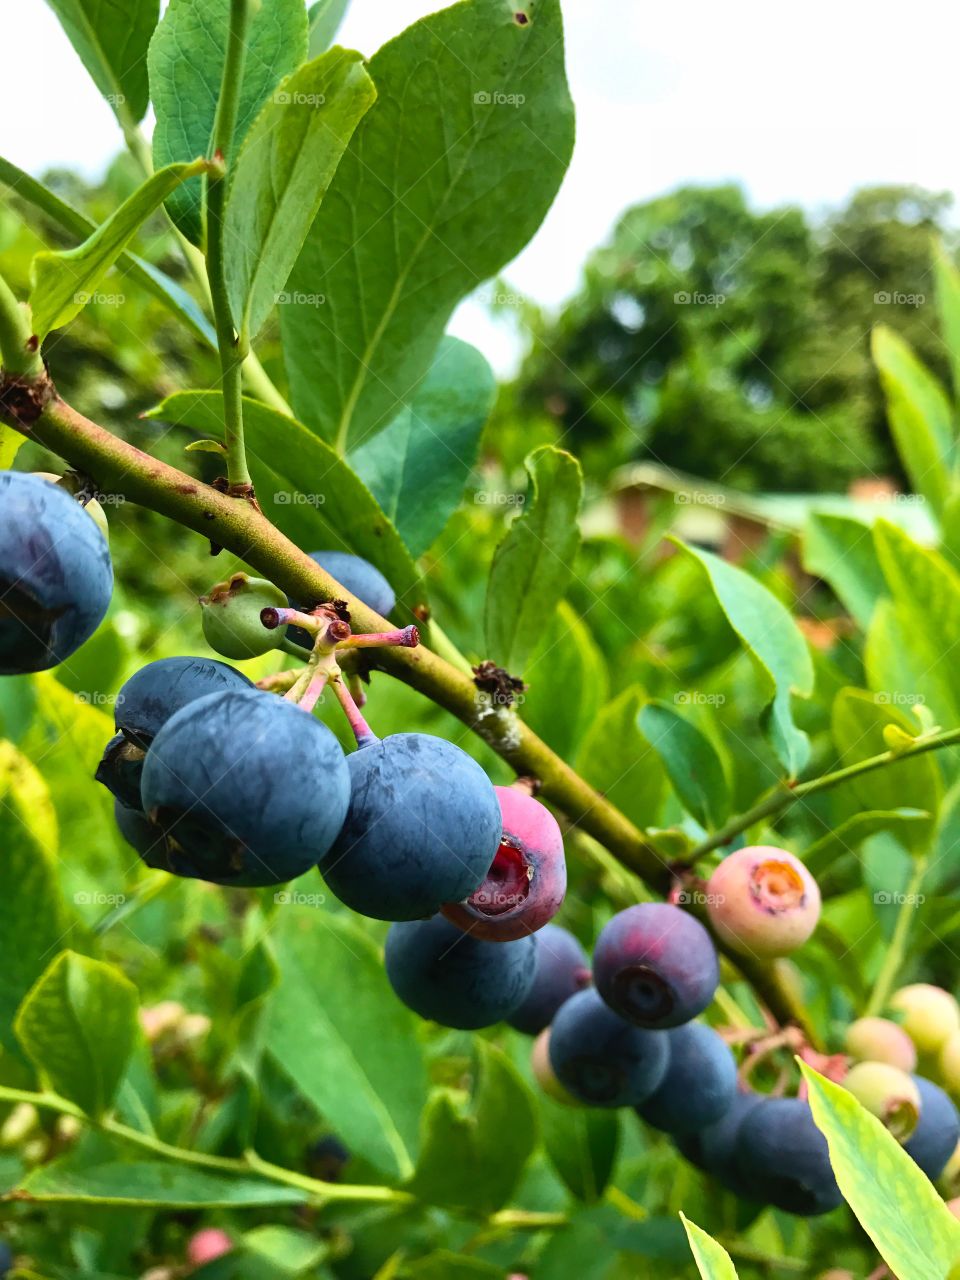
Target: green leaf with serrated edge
(425, 205)
(111, 39)
(582, 1145)
(896, 1204)
(79, 226)
(418, 467)
(324, 20)
(321, 1032)
(774, 642)
(567, 683)
(186, 66)
(713, 1261)
(534, 562)
(78, 1026)
(919, 415)
(947, 285)
(618, 760)
(841, 551)
(281, 175)
(64, 282)
(149, 1183)
(307, 491)
(471, 1158)
(926, 593)
(858, 720)
(691, 762)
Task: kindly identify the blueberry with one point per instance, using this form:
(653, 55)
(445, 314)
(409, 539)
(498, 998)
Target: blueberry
(327, 1158)
(783, 1157)
(603, 1060)
(56, 577)
(656, 965)
(6, 1258)
(247, 789)
(525, 885)
(447, 976)
(120, 769)
(763, 901)
(700, 1084)
(422, 829)
(935, 1138)
(138, 831)
(563, 969)
(714, 1148)
(158, 690)
(359, 577)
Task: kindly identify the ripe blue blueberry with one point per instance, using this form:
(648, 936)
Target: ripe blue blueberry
(563, 969)
(935, 1138)
(603, 1060)
(447, 976)
(120, 770)
(247, 789)
(422, 829)
(656, 965)
(700, 1084)
(6, 1258)
(158, 690)
(139, 832)
(714, 1148)
(56, 577)
(359, 577)
(783, 1157)
(327, 1158)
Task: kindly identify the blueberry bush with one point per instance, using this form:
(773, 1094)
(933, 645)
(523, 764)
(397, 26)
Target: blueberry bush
(445, 885)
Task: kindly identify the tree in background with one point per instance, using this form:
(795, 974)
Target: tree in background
(735, 344)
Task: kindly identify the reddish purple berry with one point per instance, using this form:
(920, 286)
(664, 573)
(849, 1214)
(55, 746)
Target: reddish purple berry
(763, 901)
(563, 969)
(656, 965)
(526, 882)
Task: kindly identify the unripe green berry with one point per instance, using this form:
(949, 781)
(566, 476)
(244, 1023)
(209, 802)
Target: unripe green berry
(543, 1071)
(880, 1040)
(950, 1063)
(71, 483)
(949, 1180)
(887, 1093)
(231, 617)
(930, 1015)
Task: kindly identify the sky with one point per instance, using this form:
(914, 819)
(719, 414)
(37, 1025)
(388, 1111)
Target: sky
(801, 111)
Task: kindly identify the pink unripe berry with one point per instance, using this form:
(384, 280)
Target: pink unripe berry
(544, 1074)
(763, 901)
(930, 1015)
(887, 1093)
(207, 1245)
(527, 880)
(880, 1040)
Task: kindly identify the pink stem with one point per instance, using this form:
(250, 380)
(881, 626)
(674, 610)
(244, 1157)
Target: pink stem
(274, 618)
(357, 691)
(406, 637)
(313, 691)
(361, 730)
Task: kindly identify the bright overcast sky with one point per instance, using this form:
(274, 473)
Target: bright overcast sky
(798, 104)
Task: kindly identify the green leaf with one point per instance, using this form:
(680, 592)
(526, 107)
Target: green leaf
(567, 681)
(444, 1265)
(534, 562)
(443, 183)
(919, 415)
(25, 796)
(78, 1025)
(63, 282)
(947, 282)
(418, 467)
(292, 1252)
(332, 1006)
(775, 643)
(471, 1159)
(841, 551)
(307, 491)
(79, 226)
(324, 19)
(894, 1202)
(112, 41)
(618, 760)
(582, 1145)
(186, 59)
(150, 1183)
(713, 1261)
(859, 719)
(281, 175)
(691, 762)
(831, 859)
